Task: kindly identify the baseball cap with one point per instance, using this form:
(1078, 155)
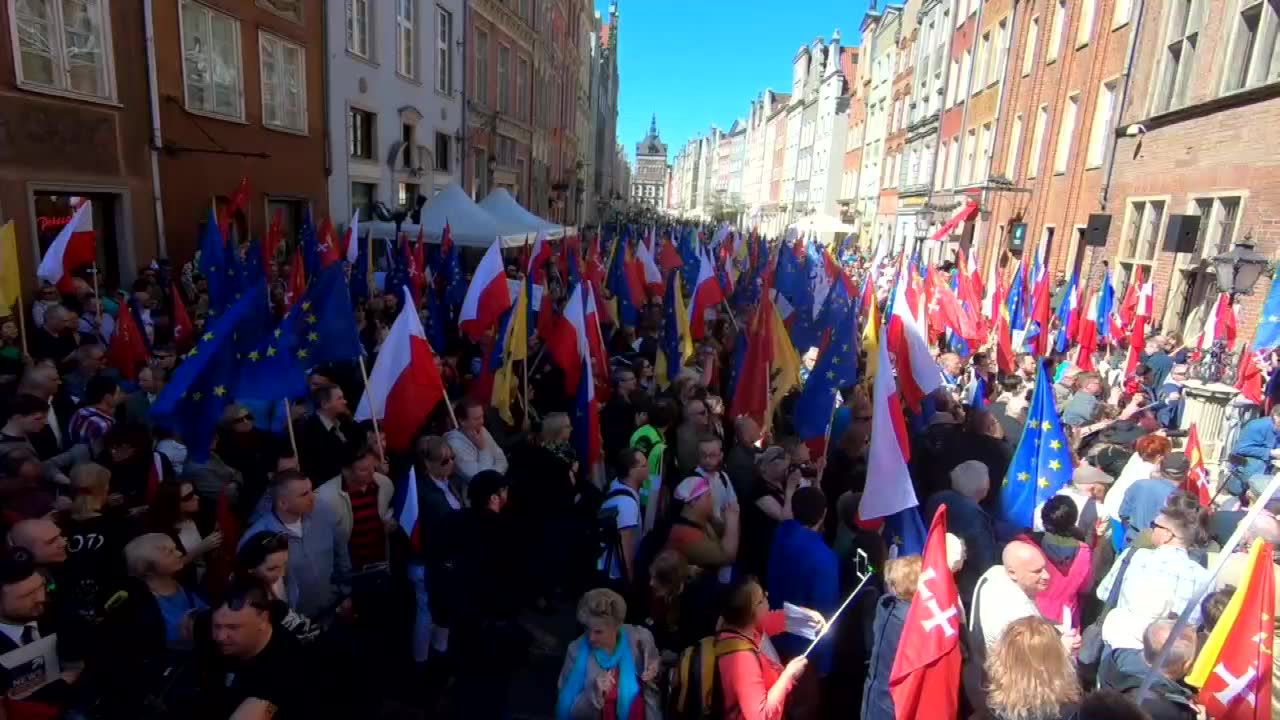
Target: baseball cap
(771, 453)
(1174, 466)
(692, 488)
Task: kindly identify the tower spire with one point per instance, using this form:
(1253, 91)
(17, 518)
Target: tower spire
(653, 126)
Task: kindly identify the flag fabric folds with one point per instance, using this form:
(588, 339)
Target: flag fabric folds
(404, 385)
(319, 329)
(191, 403)
(1233, 670)
(1197, 482)
(889, 489)
(925, 678)
(677, 344)
(488, 296)
(1042, 464)
(707, 294)
(836, 368)
(10, 277)
(512, 345)
(217, 265)
(586, 414)
(74, 247)
(1267, 336)
(127, 351)
(918, 372)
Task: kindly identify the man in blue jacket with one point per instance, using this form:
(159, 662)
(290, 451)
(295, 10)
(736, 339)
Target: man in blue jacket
(803, 571)
(1256, 446)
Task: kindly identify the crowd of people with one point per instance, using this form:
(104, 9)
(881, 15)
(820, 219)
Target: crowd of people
(274, 580)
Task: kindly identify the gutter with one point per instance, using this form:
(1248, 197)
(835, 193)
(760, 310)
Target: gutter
(157, 143)
(1104, 192)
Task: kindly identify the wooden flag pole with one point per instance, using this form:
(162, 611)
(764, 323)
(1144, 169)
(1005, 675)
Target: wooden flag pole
(95, 291)
(288, 423)
(373, 412)
(20, 309)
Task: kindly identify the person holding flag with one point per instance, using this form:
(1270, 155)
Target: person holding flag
(1042, 464)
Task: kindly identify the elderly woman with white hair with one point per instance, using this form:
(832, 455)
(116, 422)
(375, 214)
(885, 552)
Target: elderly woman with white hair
(611, 670)
(154, 562)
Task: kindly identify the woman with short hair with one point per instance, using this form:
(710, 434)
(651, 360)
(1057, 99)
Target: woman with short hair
(901, 575)
(264, 557)
(610, 671)
(1031, 675)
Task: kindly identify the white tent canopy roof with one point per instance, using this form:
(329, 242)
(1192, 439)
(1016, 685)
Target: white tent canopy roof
(822, 223)
(470, 224)
(512, 218)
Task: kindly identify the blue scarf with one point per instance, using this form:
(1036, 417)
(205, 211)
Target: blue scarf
(622, 659)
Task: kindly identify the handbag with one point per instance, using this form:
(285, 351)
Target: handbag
(1091, 639)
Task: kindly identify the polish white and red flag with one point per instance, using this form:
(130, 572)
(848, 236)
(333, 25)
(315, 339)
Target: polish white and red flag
(1219, 324)
(408, 515)
(73, 248)
(707, 294)
(889, 488)
(918, 372)
(488, 295)
(404, 385)
(925, 679)
(586, 417)
(351, 239)
(652, 275)
(1088, 337)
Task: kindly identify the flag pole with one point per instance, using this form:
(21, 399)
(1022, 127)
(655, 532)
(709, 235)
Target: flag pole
(288, 423)
(21, 311)
(95, 291)
(831, 620)
(373, 413)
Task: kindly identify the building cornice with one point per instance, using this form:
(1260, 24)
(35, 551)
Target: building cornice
(501, 15)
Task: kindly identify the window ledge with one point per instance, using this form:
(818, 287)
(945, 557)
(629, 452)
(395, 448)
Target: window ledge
(449, 95)
(68, 94)
(1097, 166)
(216, 116)
(285, 130)
(1082, 45)
(362, 59)
(409, 79)
(1119, 25)
(1050, 61)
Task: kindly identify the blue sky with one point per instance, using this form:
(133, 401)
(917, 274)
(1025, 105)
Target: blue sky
(698, 62)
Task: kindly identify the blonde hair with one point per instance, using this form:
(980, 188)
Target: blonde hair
(554, 424)
(1031, 675)
(89, 485)
(602, 604)
(141, 552)
(902, 574)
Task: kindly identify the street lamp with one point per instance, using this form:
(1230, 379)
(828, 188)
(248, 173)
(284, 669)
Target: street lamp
(1236, 272)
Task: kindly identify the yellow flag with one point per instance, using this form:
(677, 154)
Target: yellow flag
(10, 286)
(515, 346)
(786, 363)
(871, 337)
(1208, 657)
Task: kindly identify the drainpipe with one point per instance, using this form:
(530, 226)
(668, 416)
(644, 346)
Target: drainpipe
(968, 94)
(157, 143)
(462, 123)
(995, 129)
(943, 22)
(326, 115)
(1110, 160)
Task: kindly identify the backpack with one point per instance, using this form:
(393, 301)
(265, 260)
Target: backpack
(696, 691)
(603, 533)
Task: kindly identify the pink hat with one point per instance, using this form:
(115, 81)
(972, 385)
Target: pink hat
(692, 488)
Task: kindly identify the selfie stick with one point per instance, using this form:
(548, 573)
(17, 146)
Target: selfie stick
(827, 625)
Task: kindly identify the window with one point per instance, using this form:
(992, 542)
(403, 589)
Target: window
(522, 88)
(967, 171)
(360, 129)
(444, 151)
(1084, 26)
(444, 51)
(1011, 152)
(363, 196)
(482, 67)
(1066, 132)
(406, 39)
(941, 179)
(408, 145)
(506, 151)
(1179, 55)
(966, 65)
(479, 174)
(1145, 218)
(290, 10)
(1253, 59)
(980, 69)
(1037, 141)
(358, 27)
(1029, 52)
(1101, 129)
(1001, 49)
(504, 78)
(953, 78)
(64, 45)
(211, 70)
(406, 194)
(1120, 13)
(984, 152)
(1055, 31)
(284, 83)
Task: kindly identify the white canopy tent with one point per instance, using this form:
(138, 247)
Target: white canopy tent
(469, 224)
(512, 218)
(822, 224)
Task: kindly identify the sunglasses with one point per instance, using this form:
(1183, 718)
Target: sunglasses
(187, 496)
(243, 418)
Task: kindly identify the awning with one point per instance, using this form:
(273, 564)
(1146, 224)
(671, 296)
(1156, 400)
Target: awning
(964, 214)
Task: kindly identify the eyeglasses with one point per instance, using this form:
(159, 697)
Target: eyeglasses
(1155, 524)
(243, 418)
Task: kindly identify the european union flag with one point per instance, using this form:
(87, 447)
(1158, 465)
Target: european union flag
(905, 532)
(1042, 464)
(218, 266)
(455, 285)
(201, 387)
(688, 247)
(1268, 333)
(977, 392)
(618, 285)
(310, 243)
(1017, 301)
(318, 330)
(398, 267)
(837, 365)
(1063, 342)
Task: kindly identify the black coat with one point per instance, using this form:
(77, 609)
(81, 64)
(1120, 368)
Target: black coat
(322, 452)
(891, 616)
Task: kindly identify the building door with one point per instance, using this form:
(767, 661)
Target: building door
(54, 209)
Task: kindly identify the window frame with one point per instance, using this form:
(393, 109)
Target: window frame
(263, 35)
(1057, 31)
(352, 112)
(1100, 127)
(444, 50)
(410, 72)
(1084, 23)
(182, 44)
(482, 66)
(1164, 89)
(504, 79)
(350, 30)
(1013, 151)
(59, 58)
(1032, 38)
(1268, 23)
(1037, 140)
(1066, 133)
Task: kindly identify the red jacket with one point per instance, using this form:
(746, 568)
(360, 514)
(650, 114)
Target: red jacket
(752, 690)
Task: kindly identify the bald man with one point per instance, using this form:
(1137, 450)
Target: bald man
(1007, 592)
(43, 539)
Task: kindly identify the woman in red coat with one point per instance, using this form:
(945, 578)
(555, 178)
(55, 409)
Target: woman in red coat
(755, 682)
